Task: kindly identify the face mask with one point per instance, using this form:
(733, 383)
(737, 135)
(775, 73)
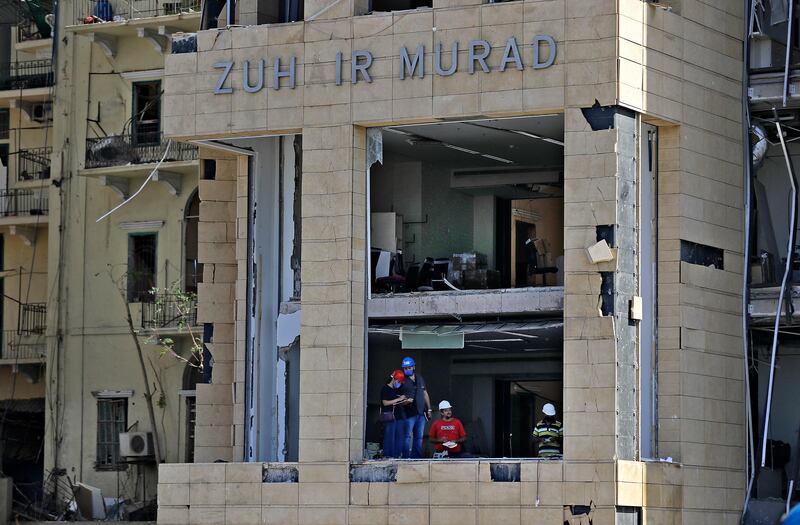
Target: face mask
(409, 372)
(397, 384)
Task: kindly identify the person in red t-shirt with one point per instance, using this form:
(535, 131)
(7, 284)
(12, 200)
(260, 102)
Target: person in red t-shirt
(448, 433)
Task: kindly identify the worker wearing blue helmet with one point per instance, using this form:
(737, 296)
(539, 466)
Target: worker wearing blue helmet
(418, 409)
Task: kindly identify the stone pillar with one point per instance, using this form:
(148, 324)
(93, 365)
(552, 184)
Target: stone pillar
(332, 272)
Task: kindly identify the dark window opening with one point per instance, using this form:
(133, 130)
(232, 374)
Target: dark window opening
(193, 269)
(397, 5)
(146, 122)
(702, 254)
(141, 267)
(112, 419)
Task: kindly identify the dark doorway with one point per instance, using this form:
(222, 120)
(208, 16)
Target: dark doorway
(523, 234)
(22, 445)
(519, 407)
(146, 124)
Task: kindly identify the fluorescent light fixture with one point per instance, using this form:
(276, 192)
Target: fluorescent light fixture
(459, 148)
(470, 341)
(534, 136)
(499, 159)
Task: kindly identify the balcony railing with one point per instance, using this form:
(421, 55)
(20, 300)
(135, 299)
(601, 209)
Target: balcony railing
(18, 346)
(33, 164)
(33, 318)
(139, 148)
(169, 311)
(20, 202)
(32, 20)
(111, 10)
(26, 75)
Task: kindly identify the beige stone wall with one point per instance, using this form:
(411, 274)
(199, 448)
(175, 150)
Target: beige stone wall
(603, 46)
(685, 69)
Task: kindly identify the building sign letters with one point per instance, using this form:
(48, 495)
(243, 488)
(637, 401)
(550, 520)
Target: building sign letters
(411, 63)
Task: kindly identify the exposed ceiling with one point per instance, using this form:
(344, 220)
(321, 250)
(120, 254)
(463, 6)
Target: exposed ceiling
(540, 335)
(513, 139)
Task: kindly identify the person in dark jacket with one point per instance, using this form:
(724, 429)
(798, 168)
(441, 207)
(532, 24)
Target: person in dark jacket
(393, 415)
(417, 408)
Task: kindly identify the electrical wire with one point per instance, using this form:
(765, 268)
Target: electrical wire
(148, 179)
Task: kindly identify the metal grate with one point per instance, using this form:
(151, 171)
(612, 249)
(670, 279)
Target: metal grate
(26, 75)
(141, 148)
(33, 164)
(112, 418)
(33, 318)
(169, 311)
(17, 346)
(112, 10)
(17, 202)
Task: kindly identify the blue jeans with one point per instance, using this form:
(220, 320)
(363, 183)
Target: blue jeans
(390, 435)
(414, 433)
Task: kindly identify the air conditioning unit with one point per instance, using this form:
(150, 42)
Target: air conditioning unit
(135, 444)
(42, 112)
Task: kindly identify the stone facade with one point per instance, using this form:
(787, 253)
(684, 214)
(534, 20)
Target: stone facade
(676, 69)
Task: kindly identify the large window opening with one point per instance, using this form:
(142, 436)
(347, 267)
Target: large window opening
(146, 122)
(468, 206)
(465, 272)
(272, 338)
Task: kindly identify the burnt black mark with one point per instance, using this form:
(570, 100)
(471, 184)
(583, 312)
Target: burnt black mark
(702, 254)
(184, 44)
(373, 473)
(505, 472)
(607, 293)
(274, 474)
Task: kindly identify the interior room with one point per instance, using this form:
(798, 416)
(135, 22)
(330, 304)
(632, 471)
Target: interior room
(468, 206)
(497, 375)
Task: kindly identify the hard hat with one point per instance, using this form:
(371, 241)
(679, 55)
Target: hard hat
(549, 409)
(407, 361)
(398, 376)
(445, 405)
(793, 517)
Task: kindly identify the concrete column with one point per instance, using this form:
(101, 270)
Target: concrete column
(332, 272)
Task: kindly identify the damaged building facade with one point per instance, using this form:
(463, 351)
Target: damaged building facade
(538, 201)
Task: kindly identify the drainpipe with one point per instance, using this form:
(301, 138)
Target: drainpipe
(749, 448)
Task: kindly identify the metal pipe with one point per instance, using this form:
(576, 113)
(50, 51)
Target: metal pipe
(787, 273)
(788, 52)
(750, 449)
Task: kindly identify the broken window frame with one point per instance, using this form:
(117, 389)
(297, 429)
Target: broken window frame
(146, 112)
(117, 409)
(141, 282)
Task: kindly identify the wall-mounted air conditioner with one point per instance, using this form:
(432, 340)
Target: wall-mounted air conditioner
(135, 444)
(42, 112)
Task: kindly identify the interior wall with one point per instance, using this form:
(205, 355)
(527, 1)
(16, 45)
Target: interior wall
(550, 228)
(407, 188)
(785, 418)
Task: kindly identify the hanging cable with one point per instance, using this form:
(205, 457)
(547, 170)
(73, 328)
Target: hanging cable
(149, 177)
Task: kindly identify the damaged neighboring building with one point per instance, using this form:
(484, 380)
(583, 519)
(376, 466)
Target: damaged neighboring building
(772, 128)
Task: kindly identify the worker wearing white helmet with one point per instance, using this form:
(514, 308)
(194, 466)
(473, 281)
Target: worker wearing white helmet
(447, 433)
(549, 433)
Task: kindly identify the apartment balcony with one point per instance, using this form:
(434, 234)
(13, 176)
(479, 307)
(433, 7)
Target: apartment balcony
(169, 313)
(33, 31)
(23, 206)
(116, 159)
(33, 318)
(104, 21)
(20, 349)
(26, 81)
(33, 164)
